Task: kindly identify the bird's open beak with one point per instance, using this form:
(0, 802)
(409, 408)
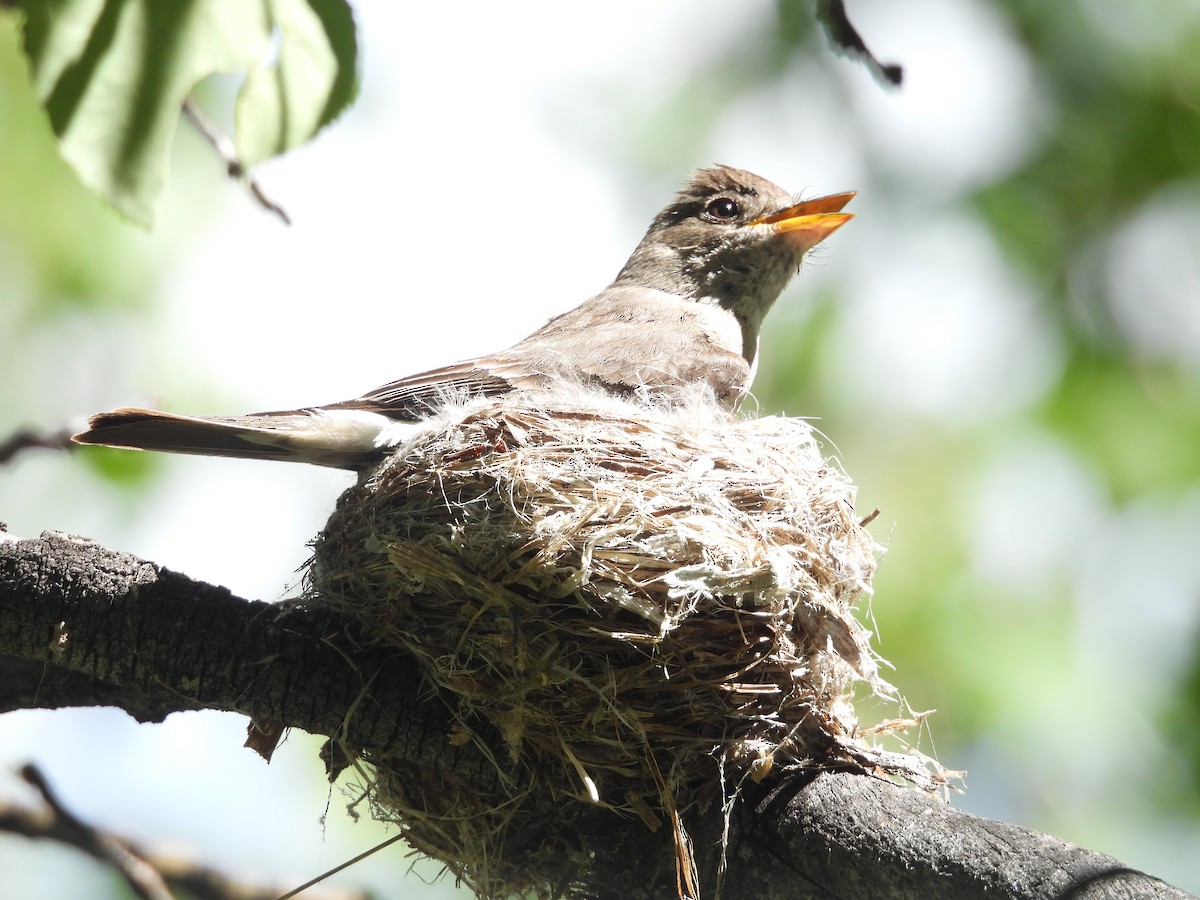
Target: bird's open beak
(810, 222)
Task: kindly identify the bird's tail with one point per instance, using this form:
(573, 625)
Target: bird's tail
(341, 438)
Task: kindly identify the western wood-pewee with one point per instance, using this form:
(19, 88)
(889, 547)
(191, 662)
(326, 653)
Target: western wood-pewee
(686, 309)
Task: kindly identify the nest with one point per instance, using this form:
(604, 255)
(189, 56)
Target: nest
(646, 604)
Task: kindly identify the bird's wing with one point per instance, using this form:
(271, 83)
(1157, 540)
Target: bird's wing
(623, 340)
(416, 396)
(629, 338)
(349, 434)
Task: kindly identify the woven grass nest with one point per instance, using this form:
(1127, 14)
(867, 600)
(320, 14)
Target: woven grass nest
(648, 602)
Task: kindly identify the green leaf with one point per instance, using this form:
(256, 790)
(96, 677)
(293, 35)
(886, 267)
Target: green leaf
(113, 75)
(312, 80)
(120, 466)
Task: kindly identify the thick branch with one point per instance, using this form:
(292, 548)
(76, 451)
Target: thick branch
(80, 624)
(106, 628)
(850, 836)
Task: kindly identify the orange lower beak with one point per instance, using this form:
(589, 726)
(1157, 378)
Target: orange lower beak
(810, 222)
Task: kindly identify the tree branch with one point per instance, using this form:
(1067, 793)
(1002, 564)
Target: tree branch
(149, 875)
(124, 632)
(83, 625)
(143, 879)
(28, 439)
(224, 149)
(845, 37)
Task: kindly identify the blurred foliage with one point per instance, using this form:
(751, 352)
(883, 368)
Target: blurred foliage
(1084, 728)
(1137, 425)
(1019, 666)
(114, 76)
(1183, 726)
(121, 467)
(1124, 129)
(67, 249)
(66, 261)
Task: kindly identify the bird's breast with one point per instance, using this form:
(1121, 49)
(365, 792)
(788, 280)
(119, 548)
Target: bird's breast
(718, 324)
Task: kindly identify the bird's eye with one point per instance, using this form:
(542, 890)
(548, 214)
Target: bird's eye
(723, 209)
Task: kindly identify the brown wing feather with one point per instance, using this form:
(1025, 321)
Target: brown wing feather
(415, 396)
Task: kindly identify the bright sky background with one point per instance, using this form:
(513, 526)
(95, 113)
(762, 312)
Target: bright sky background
(473, 191)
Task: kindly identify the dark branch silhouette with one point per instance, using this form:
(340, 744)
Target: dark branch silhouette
(845, 37)
(29, 439)
(83, 625)
(150, 875)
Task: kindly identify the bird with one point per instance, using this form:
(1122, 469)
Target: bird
(686, 309)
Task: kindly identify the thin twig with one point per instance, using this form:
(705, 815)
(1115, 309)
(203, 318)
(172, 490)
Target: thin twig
(148, 874)
(228, 154)
(27, 438)
(142, 878)
(845, 36)
(295, 892)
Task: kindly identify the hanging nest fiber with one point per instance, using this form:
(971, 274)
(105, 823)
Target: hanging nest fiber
(647, 603)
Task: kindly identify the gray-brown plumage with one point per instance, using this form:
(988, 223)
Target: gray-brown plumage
(686, 309)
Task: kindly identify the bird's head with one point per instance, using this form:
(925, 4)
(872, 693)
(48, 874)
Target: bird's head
(732, 239)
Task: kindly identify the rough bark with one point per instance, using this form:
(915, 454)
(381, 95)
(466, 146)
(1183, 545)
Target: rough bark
(83, 625)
